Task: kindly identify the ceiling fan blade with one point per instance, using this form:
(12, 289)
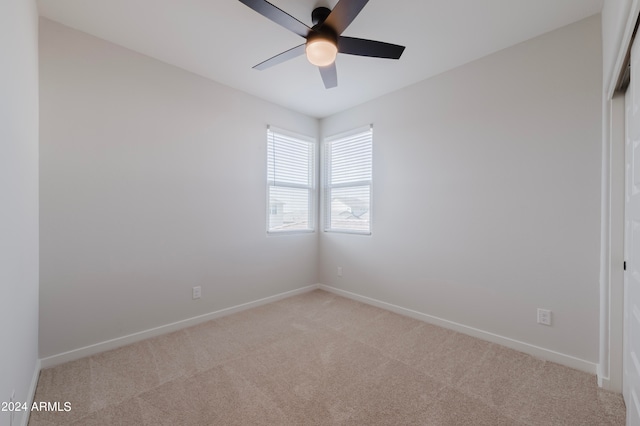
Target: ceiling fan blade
(329, 75)
(344, 13)
(278, 16)
(372, 48)
(281, 57)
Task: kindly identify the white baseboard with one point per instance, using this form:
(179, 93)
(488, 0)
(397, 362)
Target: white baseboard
(536, 351)
(600, 375)
(533, 350)
(32, 392)
(164, 329)
(604, 382)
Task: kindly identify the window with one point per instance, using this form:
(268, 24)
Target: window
(347, 181)
(290, 182)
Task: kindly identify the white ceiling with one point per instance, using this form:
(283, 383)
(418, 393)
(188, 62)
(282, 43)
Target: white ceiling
(223, 39)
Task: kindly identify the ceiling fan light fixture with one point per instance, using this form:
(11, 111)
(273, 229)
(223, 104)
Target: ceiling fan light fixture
(321, 52)
(324, 38)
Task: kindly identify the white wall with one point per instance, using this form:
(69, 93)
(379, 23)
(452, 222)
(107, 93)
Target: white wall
(487, 194)
(18, 201)
(152, 181)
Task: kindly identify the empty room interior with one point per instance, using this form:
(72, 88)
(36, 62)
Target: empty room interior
(319, 212)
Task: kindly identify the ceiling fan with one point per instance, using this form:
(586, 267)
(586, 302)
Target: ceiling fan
(324, 39)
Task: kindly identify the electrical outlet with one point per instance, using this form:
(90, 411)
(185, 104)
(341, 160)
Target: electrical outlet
(196, 292)
(544, 316)
(339, 271)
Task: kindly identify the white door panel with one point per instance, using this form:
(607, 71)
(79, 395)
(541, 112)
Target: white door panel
(631, 361)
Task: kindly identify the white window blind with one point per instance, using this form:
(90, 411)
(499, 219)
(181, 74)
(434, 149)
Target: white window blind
(347, 181)
(290, 181)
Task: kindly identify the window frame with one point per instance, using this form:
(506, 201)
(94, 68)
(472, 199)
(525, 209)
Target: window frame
(311, 187)
(327, 187)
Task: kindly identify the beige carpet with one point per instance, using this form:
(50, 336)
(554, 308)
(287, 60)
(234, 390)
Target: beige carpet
(320, 359)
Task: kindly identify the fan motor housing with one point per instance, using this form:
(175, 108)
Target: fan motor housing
(319, 15)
